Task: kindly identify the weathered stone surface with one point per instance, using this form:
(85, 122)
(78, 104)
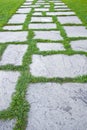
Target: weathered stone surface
(7, 125)
(80, 45)
(76, 31)
(41, 9)
(69, 19)
(59, 13)
(48, 35)
(50, 46)
(58, 66)
(57, 106)
(42, 26)
(41, 19)
(13, 27)
(17, 19)
(8, 81)
(13, 55)
(37, 14)
(18, 36)
(24, 10)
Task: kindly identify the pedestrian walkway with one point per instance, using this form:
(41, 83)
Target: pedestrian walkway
(44, 65)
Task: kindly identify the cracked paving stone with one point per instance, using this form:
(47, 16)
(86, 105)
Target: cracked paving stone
(7, 125)
(59, 65)
(57, 106)
(8, 81)
(48, 35)
(80, 45)
(60, 13)
(41, 19)
(42, 26)
(50, 46)
(24, 10)
(17, 19)
(69, 20)
(13, 27)
(76, 31)
(18, 36)
(13, 55)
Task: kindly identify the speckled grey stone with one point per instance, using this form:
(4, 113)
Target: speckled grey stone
(79, 45)
(76, 31)
(41, 19)
(42, 26)
(13, 55)
(57, 106)
(23, 10)
(18, 36)
(37, 14)
(17, 19)
(50, 46)
(69, 20)
(58, 66)
(48, 35)
(7, 125)
(59, 13)
(8, 81)
(41, 9)
(13, 27)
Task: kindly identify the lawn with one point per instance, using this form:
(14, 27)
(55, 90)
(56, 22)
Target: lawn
(80, 7)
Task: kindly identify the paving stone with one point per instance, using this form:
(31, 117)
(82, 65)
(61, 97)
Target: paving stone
(69, 19)
(17, 19)
(60, 4)
(27, 3)
(46, 6)
(24, 10)
(8, 81)
(41, 19)
(7, 125)
(48, 35)
(41, 9)
(42, 26)
(13, 55)
(58, 66)
(57, 106)
(62, 7)
(37, 14)
(66, 9)
(50, 46)
(18, 36)
(13, 27)
(80, 45)
(59, 13)
(76, 31)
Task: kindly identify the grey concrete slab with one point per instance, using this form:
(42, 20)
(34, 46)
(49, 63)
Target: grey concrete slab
(7, 125)
(58, 66)
(18, 36)
(17, 19)
(69, 20)
(12, 27)
(50, 46)
(8, 81)
(42, 26)
(59, 13)
(80, 45)
(41, 9)
(13, 55)
(76, 31)
(66, 9)
(41, 19)
(57, 6)
(57, 106)
(48, 35)
(23, 10)
(37, 14)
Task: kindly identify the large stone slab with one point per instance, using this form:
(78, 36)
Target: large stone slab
(58, 66)
(13, 27)
(69, 20)
(57, 106)
(7, 125)
(17, 19)
(48, 35)
(41, 9)
(8, 81)
(59, 13)
(13, 55)
(41, 19)
(80, 45)
(23, 10)
(42, 26)
(50, 46)
(18, 36)
(76, 31)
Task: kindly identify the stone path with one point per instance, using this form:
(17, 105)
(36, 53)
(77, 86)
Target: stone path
(60, 41)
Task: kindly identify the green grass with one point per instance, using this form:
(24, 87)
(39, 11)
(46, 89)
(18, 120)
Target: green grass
(80, 7)
(7, 9)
